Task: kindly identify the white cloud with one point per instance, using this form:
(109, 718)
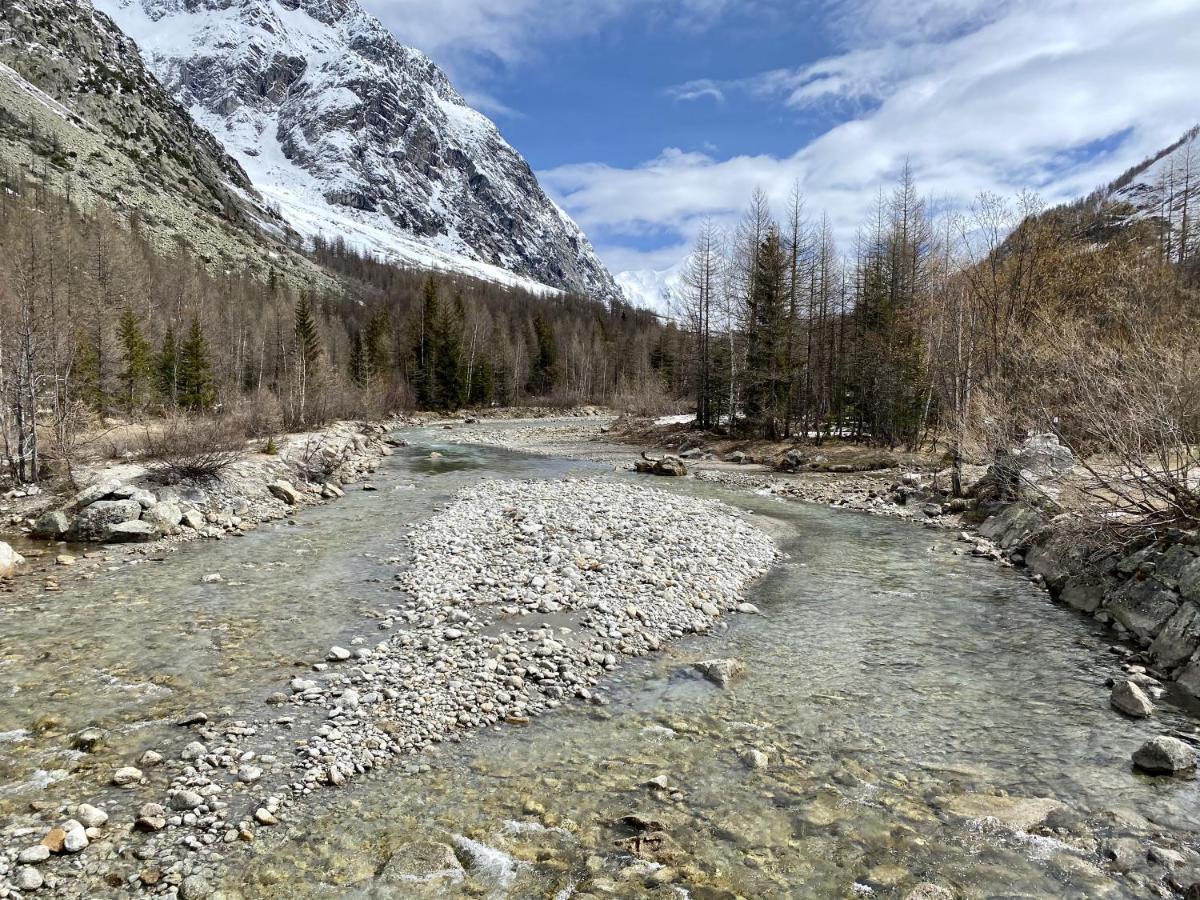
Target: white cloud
(977, 96)
(471, 37)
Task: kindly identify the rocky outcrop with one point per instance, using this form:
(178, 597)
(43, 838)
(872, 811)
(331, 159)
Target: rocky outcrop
(1151, 595)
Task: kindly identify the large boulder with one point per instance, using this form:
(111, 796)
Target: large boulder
(165, 515)
(1043, 458)
(133, 532)
(96, 492)
(1131, 700)
(10, 560)
(1165, 756)
(1012, 527)
(1084, 592)
(1179, 638)
(95, 521)
(1143, 606)
(52, 525)
(669, 466)
(283, 490)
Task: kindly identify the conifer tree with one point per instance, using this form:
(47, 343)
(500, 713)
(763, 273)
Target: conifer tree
(135, 358)
(308, 355)
(166, 369)
(543, 368)
(377, 346)
(359, 372)
(450, 371)
(196, 388)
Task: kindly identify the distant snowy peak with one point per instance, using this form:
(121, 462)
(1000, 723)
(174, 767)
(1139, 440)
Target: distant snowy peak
(353, 135)
(659, 291)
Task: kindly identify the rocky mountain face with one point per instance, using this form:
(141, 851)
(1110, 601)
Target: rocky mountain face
(79, 112)
(350, 134)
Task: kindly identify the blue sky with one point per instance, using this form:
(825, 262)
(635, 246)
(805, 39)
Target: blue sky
(645, 117)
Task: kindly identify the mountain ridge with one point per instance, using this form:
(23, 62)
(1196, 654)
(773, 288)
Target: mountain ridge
(349, 134)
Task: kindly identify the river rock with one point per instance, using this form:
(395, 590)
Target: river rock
(338, 654)
(52, 525)
(1165, 756)
(283, 490)
(194, 887)
(183, 801)
(929, 892)
(755, 759)
(134, 532)
(126, 776)
(1130, 699)
(151, 817)
(10, 560)
(95, 522)
(421, 861)
(721, 672)
(91, 816)
(76, 839)
(35, 854)
(28, 879)
(96, 492)
(54, 839)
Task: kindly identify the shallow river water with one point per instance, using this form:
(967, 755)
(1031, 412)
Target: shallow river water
(907, 702)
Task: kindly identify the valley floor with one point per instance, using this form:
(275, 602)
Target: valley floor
(346, 702)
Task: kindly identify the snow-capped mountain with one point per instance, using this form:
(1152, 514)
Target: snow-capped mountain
(660, 291)
(352, 135)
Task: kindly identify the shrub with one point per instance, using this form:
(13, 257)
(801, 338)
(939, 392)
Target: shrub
(192, 449)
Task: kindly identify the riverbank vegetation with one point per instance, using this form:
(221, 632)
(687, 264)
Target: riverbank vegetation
(961, 333)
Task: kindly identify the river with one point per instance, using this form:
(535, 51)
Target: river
(900, 704)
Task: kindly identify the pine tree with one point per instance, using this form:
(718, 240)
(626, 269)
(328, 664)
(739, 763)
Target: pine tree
(423, 368)
(359, 371)
(308, 356)
(450, 371)
(377, 346)
(766, 375)
(196, 389)
(543, 369)
(135, 357)
(166, 369)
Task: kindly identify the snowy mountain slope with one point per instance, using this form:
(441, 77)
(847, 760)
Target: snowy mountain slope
(80, 113)
(352, 135)
(659, 291)
(1166, 190)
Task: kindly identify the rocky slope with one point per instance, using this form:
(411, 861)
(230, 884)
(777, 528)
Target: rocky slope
(80, 113)
(351, 135)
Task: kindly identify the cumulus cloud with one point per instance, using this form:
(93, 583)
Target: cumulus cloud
(1058, 96)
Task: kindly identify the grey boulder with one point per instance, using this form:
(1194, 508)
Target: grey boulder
(1164, 756)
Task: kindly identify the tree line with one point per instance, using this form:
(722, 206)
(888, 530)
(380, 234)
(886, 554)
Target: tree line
(961, 331)
(96, 324)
